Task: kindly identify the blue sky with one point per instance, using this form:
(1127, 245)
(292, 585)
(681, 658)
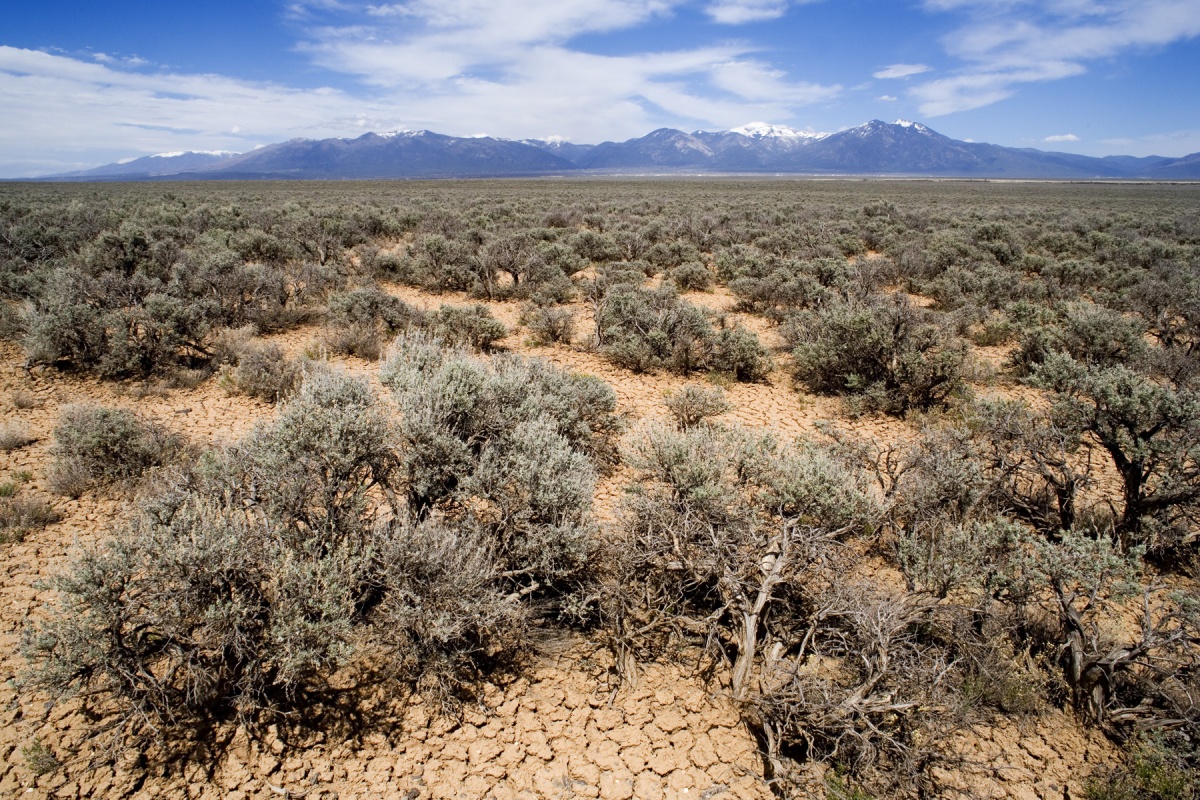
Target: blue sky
(87, 83)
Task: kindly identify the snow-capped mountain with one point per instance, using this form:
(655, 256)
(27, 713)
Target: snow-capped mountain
(874, 148)
(765, 130)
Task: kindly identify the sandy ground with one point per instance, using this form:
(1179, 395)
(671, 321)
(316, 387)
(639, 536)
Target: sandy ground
(562, 731)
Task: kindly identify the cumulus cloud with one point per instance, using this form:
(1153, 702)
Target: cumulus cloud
(1062, 137)
(1003, 44)
(887, 98)
(901, 71)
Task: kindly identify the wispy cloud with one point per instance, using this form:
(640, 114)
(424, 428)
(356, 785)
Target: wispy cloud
(465, 64)
(1003, 44)
(738, 12)
(900, 71)
(69, 107)
(1062, 137)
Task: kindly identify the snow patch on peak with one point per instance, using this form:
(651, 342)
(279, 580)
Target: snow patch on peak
(400, 133)
(767, 130)
(177, 153)
(916, 126)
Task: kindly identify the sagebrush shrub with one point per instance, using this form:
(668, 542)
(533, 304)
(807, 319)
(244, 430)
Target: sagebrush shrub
(258, 572)
(889, 353)
(549, 324)
(692, 404)
(96, 445)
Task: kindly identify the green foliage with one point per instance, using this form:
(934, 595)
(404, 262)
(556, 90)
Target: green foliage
(1154, 770)
(510, 441)
(692, 277)
(39, 758)
(549, 325)
(471, 325)
(1090, 334)
(737, 352)
(241, 588)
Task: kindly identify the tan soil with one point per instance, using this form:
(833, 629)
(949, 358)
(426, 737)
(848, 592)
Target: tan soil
(562, 731)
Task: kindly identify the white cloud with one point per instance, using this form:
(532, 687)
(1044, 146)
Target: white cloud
(1062, 137)
(1006, 43)
(737, 12)
(900, 71)
(887, 98)
(508, 65)
(63, 113)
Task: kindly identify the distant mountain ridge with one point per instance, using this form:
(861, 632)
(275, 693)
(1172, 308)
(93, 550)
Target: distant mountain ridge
(902, 148)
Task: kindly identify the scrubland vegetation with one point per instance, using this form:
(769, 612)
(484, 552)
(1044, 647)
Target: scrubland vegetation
(1031, 542)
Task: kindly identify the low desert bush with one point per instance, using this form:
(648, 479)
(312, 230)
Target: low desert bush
(96, 445)
(257, 572)
(243, 586)
(549, 324)
(262, 371)
(14, 436)
(738, 352)
(886, 354)
(644, 330)
(471, 325)
(1161, 767)
(692, 277)
(362, 321)
(513, 443)
(19, 516)
(691, 405)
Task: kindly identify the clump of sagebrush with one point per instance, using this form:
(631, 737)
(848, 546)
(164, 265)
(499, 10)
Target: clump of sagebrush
(737, 540)
(1151, 433)
(644, 330)
(549, 324)
(257, 369)
(20, 516)
(421, 552)
(513, 443)
(692, 277)
(361, 321)
(472, 325)
(39, 759)
(692, 404)
(886, 354)
(1157, 767)
(252, 578)
(94, 445)
(14, 436)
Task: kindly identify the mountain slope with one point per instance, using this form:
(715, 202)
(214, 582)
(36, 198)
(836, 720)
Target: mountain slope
(875, 148)
(153, 166)
(405, 154)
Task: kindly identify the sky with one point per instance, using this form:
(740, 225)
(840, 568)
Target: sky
(85, 83)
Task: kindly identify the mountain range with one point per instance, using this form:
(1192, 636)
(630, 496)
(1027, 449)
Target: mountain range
(901, 148)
